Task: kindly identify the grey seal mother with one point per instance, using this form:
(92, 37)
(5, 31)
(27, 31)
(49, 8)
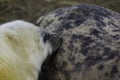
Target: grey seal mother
(91, 43)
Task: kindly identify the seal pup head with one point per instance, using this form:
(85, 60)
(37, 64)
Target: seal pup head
(23, 49)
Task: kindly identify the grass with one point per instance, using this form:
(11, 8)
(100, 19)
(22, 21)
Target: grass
(31, 10)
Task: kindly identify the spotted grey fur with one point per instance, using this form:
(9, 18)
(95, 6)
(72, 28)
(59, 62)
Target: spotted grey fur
(91, 47)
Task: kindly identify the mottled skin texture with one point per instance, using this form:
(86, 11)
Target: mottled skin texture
(91, 43)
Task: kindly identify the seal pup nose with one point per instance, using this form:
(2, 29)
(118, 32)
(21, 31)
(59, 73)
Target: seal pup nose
(54, 39)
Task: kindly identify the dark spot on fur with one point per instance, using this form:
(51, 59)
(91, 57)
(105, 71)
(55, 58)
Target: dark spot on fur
(64, 64)
(79, 21)
(74, 36)
(116, 30)
(67, 25)
(114, 70)
(77, 67)
(112, 24)
(59, 11)
(91, 60)
(49, 22)
(106, 50)
(99, 21)
(106, 73)
(116, 37)
(113, 54)
(71, 59)
(68, 75)
(117, 60)
(95, 32)
(60, 18)
(70, 47)
(84, 51)
(59, 30)
(86, 41)
(110, 53)
(100, 67)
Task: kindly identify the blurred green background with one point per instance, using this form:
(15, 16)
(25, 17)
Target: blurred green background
(31, 10)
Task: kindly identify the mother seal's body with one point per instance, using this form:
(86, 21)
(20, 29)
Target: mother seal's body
(91, 47)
